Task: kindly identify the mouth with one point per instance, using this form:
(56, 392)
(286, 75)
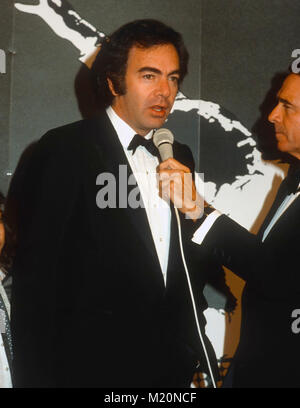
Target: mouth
(159, 110)
(278, 132)
(279, 135)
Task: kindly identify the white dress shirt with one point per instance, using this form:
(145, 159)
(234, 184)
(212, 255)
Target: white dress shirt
(143, 166)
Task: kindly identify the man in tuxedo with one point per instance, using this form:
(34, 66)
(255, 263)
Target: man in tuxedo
(100, 297)
(268, 352)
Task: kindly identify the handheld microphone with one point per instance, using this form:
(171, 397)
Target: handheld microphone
(163, 139)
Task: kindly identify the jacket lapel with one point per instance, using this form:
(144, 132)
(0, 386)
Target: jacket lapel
(111, 154)
(281, 194)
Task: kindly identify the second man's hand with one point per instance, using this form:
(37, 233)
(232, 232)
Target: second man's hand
(176, 184)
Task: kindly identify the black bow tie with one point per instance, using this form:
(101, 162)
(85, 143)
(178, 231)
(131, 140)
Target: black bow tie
(293, 179)
(139, 140)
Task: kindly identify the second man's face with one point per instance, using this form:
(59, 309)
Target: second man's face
(286, 116)
(151, 83)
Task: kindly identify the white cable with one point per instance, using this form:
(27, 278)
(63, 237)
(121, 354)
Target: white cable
(192, 298)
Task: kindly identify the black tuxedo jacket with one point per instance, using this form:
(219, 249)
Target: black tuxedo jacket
(89, 305)
(268, 352)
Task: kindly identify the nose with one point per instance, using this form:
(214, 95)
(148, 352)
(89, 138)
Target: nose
(275, 115)
(164, 88)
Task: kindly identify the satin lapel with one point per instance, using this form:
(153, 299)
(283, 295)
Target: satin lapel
(175, 266)
(281, 194)
(287, 219)
(111, 153)
(176, 275)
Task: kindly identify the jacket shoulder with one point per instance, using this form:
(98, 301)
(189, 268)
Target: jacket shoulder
(69, 133)
(183, 154)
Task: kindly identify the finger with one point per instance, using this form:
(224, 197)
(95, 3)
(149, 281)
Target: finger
(172, 180)
(166, 189)
(164, 175)
(171, 174)
(165, 165)
(173, 164)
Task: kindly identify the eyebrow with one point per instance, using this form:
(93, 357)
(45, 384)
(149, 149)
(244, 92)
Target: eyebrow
(285, 101)
(157, 71)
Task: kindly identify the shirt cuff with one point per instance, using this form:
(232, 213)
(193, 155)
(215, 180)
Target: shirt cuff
(201, 232)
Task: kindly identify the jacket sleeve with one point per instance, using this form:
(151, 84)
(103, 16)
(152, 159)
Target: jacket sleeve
(44, 195)
(270, 266)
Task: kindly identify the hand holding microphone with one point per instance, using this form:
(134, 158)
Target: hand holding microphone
(175, 179)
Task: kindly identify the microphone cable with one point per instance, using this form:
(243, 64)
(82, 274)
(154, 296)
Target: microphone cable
(192, 298)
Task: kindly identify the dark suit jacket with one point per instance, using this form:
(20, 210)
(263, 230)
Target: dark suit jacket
(268, 352)
(89, 305)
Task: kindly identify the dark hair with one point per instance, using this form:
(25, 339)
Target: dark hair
(111, 61)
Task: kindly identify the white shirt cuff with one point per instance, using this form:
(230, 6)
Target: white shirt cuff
(201, 232)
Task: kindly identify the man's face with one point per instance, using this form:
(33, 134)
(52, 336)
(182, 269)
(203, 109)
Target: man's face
(151, 82)
(286, 116)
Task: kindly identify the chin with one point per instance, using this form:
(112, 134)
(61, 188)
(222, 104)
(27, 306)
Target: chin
(155, 125)
(282, 147)
(160, 122)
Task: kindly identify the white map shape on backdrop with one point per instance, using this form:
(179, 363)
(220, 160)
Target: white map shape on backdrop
(235, 198)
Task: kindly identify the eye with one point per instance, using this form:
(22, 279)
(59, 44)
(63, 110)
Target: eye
(148, 76)
(174, 79)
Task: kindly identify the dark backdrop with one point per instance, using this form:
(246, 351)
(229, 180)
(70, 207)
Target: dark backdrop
(244, 43)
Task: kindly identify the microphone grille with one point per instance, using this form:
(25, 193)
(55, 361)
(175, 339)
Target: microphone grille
(163, 135)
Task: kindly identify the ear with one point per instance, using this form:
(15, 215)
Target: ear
(111, 87)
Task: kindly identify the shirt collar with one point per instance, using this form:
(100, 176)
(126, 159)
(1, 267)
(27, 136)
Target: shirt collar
(124, 131)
